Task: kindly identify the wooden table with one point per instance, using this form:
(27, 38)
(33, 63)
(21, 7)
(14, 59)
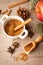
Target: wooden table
(34, 58)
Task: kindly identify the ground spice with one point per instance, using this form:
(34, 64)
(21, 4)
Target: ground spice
(28, 47)
(10, 26)
(22, 56)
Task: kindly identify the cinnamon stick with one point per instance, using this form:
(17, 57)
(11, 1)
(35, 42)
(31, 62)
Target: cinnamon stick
(9, 12)
(22, 24)
(3, 12)
(16, 4)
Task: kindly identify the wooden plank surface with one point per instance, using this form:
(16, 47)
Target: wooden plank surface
(34, 58)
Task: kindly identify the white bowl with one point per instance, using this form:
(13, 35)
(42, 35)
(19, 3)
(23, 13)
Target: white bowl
(6, 18)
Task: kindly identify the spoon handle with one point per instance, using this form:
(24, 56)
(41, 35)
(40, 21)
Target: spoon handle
(39, 39)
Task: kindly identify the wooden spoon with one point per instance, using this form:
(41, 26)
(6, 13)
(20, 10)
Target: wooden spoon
(24, 23)
(32, 44)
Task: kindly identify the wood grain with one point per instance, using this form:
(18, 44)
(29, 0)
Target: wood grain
(34, 58)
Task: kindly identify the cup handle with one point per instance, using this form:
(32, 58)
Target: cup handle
(23, 36)
(3, 18)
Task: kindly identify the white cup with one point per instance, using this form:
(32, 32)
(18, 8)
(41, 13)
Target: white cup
(5, 18)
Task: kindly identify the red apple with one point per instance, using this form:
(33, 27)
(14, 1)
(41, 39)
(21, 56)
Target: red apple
(39, 10)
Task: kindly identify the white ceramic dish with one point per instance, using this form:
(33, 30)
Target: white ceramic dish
(5, 19)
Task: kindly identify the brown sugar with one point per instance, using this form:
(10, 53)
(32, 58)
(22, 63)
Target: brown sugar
(28, 47)
(10, 25)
